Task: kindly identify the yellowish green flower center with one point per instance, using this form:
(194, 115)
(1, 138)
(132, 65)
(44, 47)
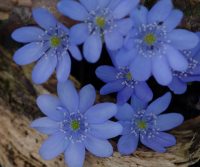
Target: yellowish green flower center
(128, 76)
(142, 124)
(55, 41)
(75, 125)
(150, 39)
(100, 21)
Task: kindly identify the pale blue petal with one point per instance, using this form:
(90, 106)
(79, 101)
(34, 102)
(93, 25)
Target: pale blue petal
(160, 105)
(163, 7)
(137, 103)
(137, 68)
(89, 4)
(124, 8)
(48, 105)
(45, 125)
(27, 34)
(124, 25)
(127, 144)
(44, 68)
(125, 112)
(127, 127)
(183, 39)
(106, 73)
(114, 40)
(87, 97)
(173, 20)
(72, 9)
(161, 70)
(53, 146)
(112, 87)
(44, 18)
(176, 60)
(79, 33)
(28, 53)
(92, 48)
(98, 147)
(139, 15)
(75, 155)
(124, 95)
(177, 86)
(165, 139)
(100, 113)
(68, 96)
(143, 91)
(169, 121)
(106, 130)
(75, 52)
(64, 67)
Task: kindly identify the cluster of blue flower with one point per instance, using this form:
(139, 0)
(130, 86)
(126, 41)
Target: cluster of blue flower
(141, 43)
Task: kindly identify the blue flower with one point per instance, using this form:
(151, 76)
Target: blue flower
(119, 79)
(146, 124)
(180, 79)
(156, 43)
(100, 20)
(74, 124)
(50, 45)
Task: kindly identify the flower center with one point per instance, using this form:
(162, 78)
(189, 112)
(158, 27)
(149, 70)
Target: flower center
(100, 21)
(142, 124)
(55, 41)
(150, 39)
(128, 76)
(75, 125)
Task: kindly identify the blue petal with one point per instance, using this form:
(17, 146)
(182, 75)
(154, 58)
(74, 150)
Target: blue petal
(68, 95)
(79, 33)
(106, 130)
(45, 125)
(106, 73)
(176, 60)
(137, 103)
(178, 86)
(139, 16)
(44, 18)
(124, 95)
(112, 87)
(100, 113)
(191, 78)
(127, 144)
(72, 9)
(64, 67)
(103, 3)
(127, 127)
(125, 112)
(98, 147)
(125, 57)
(153, 144)
(44, 68)
(75, 155)
(163, 7)
(28, 54)
(27, 34)
(162, 75)
(137, 68)
(173, 20)
(114, 40)
(183, 39)
(87, 97)
(169, 121)
(48, 105)
(89, 4)
(92, 48)
(53, 146)
(75, 52)
(165, 139)
(143, 91)
(124, 25)
(124, 8)
(160, 105)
